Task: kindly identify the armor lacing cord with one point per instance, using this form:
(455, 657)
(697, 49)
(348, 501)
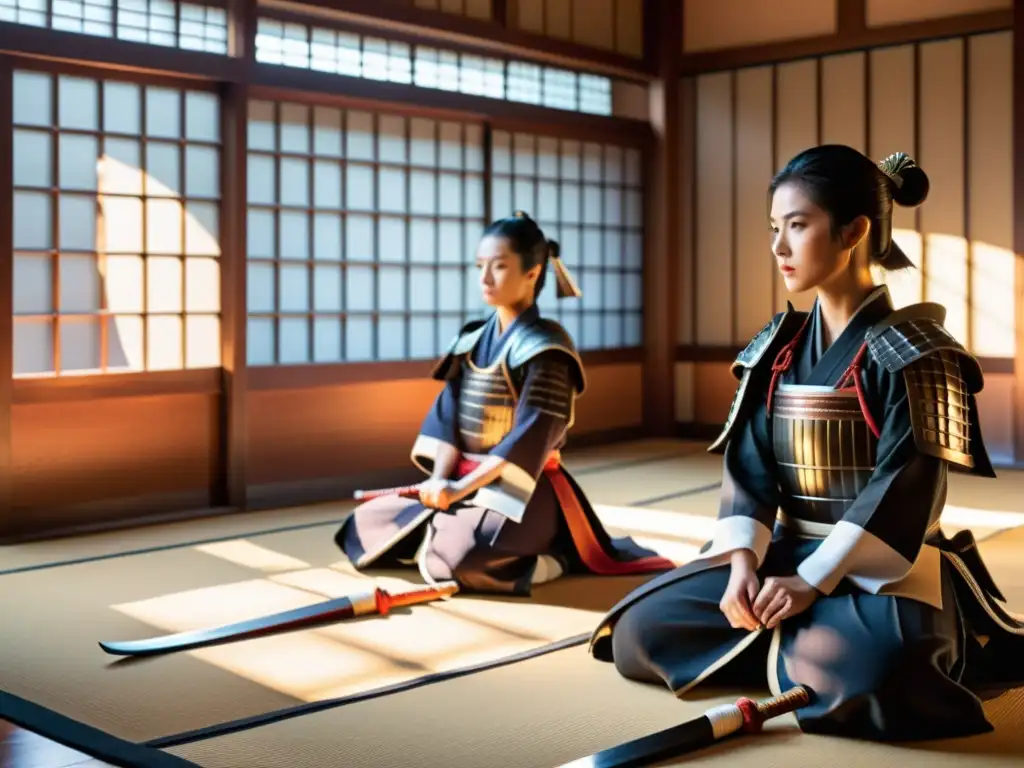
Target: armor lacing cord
(784, 361)
(853, 372)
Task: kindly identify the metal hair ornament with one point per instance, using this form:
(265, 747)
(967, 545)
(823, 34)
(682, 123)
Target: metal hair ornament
(564, 283)
(894, 165)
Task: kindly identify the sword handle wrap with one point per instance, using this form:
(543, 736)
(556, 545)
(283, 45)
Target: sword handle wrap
(386, 600)
(755, 713)
(401, 490)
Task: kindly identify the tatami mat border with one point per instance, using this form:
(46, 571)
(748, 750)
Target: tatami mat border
(614, 465)
(85, 738)
(267, 718)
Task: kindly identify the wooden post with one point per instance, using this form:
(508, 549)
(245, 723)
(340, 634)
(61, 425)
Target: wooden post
(663, 31)
(231, 477)
(851, 17)
(7, 523)
(1018, 227)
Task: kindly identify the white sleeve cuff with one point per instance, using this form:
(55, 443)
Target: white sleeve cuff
(850, 551)
(739, 532)
(509, 494)
(424, 452)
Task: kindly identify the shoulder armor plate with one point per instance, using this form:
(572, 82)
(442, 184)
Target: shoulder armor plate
(545, 335)
(750, 371)
(916, 332)
(462, 344)
(942, 378)
(754, 352)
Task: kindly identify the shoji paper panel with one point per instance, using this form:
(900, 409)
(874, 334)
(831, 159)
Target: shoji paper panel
(990, 194)
(796, 110)
(941, 155)
(714, 209)
(755, 266)
(892, 101)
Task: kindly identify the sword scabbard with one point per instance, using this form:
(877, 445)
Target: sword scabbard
(717, 723)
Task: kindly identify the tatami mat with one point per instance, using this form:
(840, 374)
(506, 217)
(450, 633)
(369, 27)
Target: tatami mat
(52, 657)
(54, 616)
(553, 709)
(586, 462)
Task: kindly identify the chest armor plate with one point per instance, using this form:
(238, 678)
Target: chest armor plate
(824, 449)
(487, 405)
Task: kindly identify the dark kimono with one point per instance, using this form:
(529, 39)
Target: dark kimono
(835, 468)
(511, 395)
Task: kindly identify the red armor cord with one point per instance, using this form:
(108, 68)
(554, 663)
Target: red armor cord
(783, 361)
(853, 372)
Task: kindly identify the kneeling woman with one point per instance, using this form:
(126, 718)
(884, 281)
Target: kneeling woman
(844, 425)
(499, 512)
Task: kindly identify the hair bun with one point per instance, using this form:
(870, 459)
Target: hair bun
(909, 183)
(914, 189)
(521, 215)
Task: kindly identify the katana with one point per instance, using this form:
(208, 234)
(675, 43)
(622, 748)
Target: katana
(375, 602)
(717, 723)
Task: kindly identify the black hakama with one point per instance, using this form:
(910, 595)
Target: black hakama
(535, 523)
(899, 645)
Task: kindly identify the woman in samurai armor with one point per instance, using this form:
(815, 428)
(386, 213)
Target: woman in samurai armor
(499, 513)
(828, 567)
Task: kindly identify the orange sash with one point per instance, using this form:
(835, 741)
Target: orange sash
(595, 557)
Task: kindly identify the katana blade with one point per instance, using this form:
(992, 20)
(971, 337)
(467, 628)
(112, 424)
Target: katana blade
(715, 724)
(375, 602)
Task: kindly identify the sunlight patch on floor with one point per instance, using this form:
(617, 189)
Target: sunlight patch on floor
(646, 520)
(979, 520)
(353, 655)
(356, 655)
(245, 553)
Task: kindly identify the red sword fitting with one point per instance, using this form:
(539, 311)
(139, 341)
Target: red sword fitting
(385, 600)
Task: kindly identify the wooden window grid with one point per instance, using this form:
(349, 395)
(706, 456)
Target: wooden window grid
(401, 308)
(91, 286)
(365, 257)
(352, 259)
(189, 26)
(588, 197)
(334, 51)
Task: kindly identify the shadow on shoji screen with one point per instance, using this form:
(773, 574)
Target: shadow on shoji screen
(116, 245)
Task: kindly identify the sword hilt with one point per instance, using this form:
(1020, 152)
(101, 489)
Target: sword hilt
(401, 490)
(387, 601)
(755, 713)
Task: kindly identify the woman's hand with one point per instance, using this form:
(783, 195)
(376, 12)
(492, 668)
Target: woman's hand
(740, 593)
(783, 597)
(436, 493)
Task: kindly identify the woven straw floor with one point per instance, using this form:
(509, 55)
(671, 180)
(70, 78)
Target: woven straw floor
(351, 694)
